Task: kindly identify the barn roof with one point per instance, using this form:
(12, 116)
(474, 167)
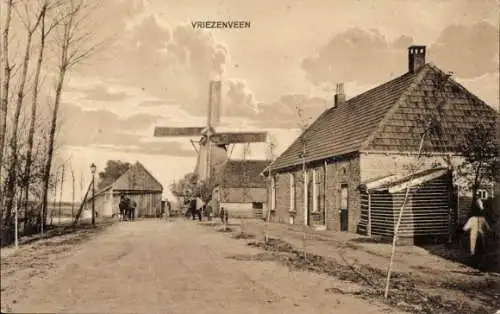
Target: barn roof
(242, 174)
(390, 117)
(137, 178)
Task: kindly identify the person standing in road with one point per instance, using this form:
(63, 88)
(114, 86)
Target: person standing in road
(133, 206)
(477, 226)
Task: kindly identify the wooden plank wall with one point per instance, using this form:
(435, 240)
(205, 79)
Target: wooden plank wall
(363, 218)
(426, 212)
(148, 204)
(382, 214)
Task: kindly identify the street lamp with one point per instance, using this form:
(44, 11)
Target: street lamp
(93, 168)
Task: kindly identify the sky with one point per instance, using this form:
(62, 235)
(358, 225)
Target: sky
(155, 68)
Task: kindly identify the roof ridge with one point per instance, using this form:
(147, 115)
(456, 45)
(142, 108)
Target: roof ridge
(462, 88)
(148, 173)
(395, 107)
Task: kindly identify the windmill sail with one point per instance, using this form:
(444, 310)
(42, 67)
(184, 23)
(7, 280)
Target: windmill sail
(235, 138)
(182, 131)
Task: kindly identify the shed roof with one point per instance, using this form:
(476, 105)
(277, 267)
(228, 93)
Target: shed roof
(136, 178)
(396, 183)
(391, 117)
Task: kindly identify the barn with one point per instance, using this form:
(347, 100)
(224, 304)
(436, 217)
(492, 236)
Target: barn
(240, 188)
(138, 184)
(372, 137)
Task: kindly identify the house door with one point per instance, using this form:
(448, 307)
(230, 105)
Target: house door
(344, 210)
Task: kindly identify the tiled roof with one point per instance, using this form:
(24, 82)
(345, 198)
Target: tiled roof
(388, 118)
(242, 174)
(137, 178)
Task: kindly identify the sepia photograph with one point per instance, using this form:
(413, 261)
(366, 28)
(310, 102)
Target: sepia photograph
(288, 156)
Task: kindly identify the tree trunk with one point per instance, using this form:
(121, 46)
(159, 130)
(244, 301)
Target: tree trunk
(4, 99)
(53, 127)
(31, 132)
(12, 175)
(4, 95)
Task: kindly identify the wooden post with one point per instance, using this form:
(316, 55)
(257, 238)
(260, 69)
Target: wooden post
(61, 193)
(325, 189)
(369, 231)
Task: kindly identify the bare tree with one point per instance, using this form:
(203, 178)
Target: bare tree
(430, 123)
(4, 96)
(4, 93)
(303, 124)
(44, 33)
(271, 148)
(75, 45)
(14, 156)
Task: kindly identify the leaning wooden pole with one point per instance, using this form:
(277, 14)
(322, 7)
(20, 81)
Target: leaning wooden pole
(79, 213)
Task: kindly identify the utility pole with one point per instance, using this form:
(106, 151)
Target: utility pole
(61, 193)
(73, 193)
(92, 170)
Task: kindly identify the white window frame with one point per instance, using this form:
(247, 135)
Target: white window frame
(273, 193)
(315, 190)
(292, 192)
(483, 194)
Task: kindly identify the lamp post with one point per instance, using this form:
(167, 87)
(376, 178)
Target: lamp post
(93, 168)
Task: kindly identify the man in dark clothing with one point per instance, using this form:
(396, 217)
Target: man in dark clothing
(133, 206)
(123, 206)
(192, 208)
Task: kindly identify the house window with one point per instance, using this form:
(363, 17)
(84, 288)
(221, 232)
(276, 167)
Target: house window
(292, 192)
(315, 196)
(273, 193)
(257, 205)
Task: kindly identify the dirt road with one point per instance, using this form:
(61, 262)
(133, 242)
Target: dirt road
(155, 266)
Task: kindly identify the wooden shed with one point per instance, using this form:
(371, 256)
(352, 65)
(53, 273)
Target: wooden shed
(429, 214)
(241, 189)
(139, 185)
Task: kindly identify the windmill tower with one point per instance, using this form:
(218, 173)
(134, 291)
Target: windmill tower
(213, 146)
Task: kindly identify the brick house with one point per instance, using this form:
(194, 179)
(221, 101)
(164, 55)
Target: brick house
(139, 185)
(240, 188)
(372, 136)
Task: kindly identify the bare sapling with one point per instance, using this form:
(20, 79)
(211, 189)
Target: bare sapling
(245, 180)
(303, 125)
(431, 126)
(271, 147)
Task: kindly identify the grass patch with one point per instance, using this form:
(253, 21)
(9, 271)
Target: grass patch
(404, 294)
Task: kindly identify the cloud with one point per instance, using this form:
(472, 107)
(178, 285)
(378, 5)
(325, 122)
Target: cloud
(238, 101)
(469, 51)
(102, 93)
(175, 64)
(357, 55)
(284, 113)
(102, 127)
(155, 103)
(367, 56)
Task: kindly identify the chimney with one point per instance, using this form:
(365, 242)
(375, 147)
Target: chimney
(339, 95)
(416, 58)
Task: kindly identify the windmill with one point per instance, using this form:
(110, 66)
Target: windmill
(213, 145)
